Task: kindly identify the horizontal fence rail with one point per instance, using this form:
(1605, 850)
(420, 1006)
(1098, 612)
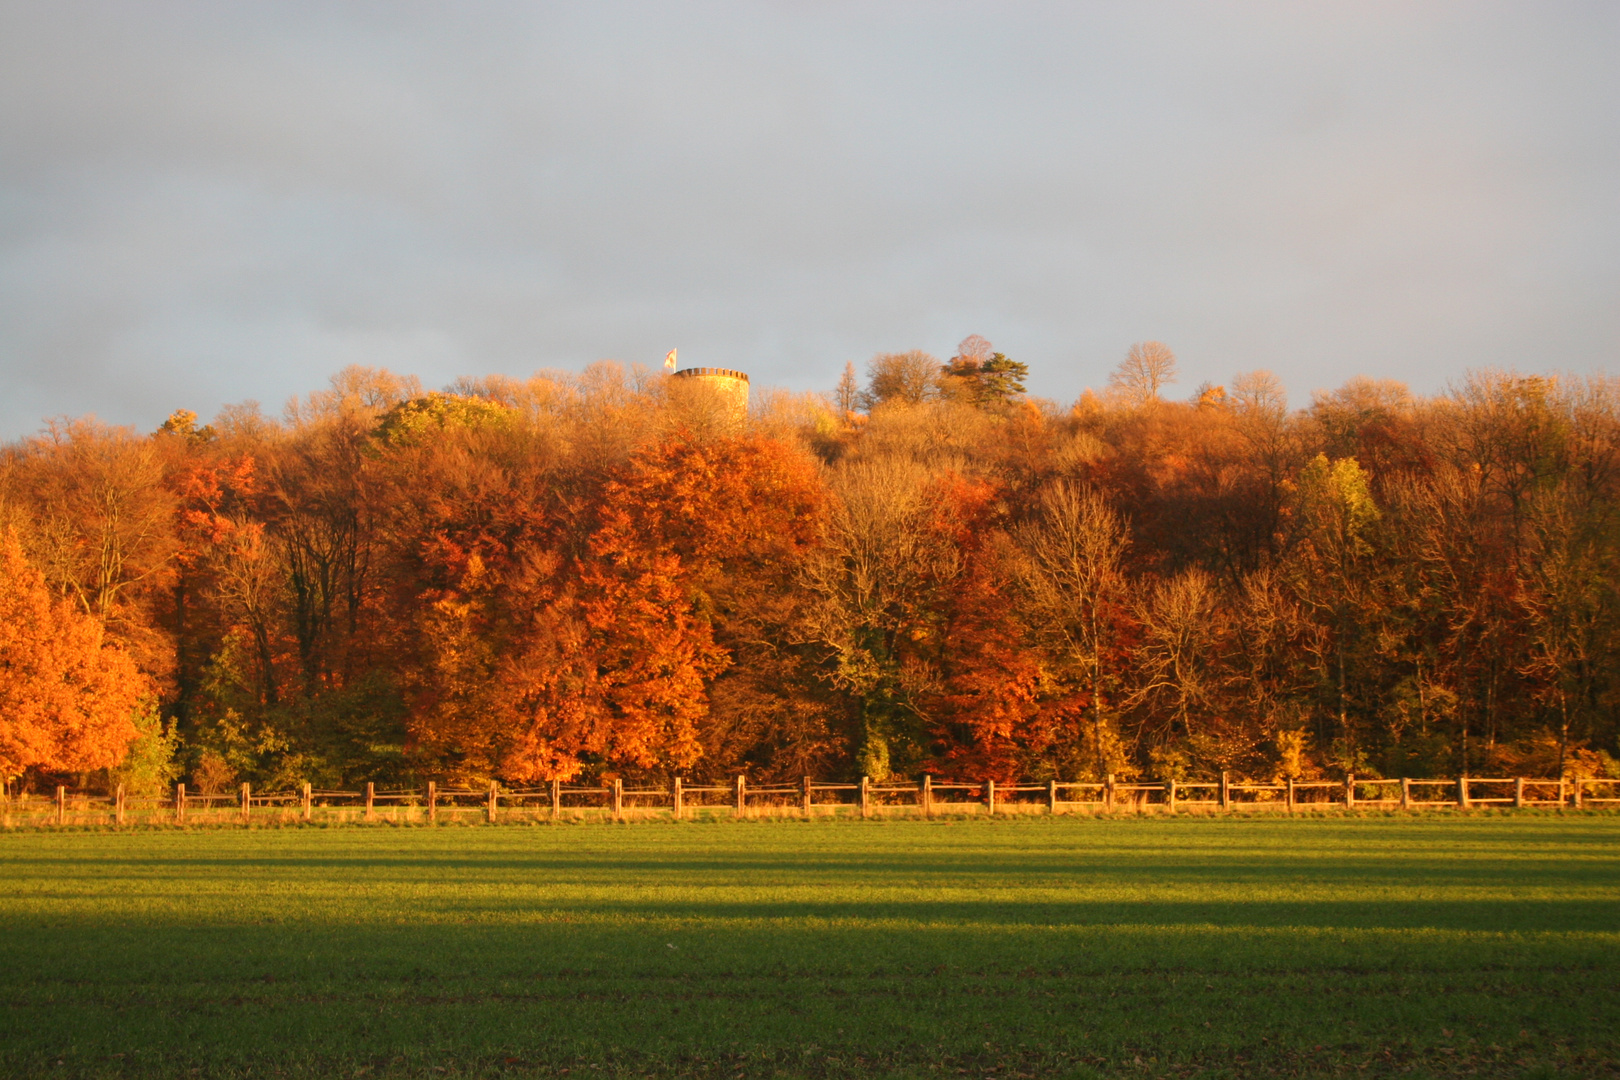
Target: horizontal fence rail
(808, 798)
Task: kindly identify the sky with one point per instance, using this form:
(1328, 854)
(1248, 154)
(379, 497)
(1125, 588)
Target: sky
(216, 202)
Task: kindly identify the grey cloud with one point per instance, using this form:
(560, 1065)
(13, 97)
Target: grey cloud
(204, 203)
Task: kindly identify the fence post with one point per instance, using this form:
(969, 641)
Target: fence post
(433, 802)
(1290, 794)
(990, 795)
(739, 791)
(1580, 788)
(1170, 795)
(118, 806)
(494, 796)
(1518, 793)
(1226, 790)
(928, 795)
(556, 798)
(247, 803)
(1560, 792)
(179, 804)
(1108, 793)
(61, 805)
(677, 801)
(1462, 792)
(618, 798)
(371, 800)
(865, 795)
(807, 797)
(1349, 791)
(309, 803)
(1406, 793)
(1051, 796)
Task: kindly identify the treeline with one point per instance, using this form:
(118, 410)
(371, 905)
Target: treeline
(610, 574)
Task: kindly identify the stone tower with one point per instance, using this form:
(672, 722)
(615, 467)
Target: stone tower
(730, 387)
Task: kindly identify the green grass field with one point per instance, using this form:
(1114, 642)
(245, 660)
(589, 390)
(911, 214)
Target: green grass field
(1438, 945)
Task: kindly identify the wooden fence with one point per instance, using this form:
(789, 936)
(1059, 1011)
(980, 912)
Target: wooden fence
(809, 798)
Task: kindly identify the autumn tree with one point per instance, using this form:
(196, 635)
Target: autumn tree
(67, 695)
(682, 513)
(1333, 555)
(979, 672)
(99, 524)
(907, 378)
(1272, 682)
(1179, 672)
(848, 394)
(1258, 413)
(1073, 577)
(872, 578)
(1148, 367)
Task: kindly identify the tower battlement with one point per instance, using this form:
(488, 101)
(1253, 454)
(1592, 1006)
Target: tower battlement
(711, 373)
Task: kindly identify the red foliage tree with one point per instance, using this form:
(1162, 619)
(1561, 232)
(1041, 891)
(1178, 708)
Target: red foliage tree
(986, 715)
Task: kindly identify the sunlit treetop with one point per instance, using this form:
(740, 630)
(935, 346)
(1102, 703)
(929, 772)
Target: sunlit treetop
(413, 420)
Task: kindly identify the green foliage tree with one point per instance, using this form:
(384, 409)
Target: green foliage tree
(982, 377)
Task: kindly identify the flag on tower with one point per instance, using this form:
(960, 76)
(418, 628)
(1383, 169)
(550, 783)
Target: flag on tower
(669, 361)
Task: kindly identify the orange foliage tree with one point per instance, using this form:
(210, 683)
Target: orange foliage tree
(66, 696)
(686, 517)
(535, 660)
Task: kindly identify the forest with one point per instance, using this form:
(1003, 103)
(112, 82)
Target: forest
(612, 574)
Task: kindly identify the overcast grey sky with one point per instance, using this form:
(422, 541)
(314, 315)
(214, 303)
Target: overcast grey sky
(204, 203)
